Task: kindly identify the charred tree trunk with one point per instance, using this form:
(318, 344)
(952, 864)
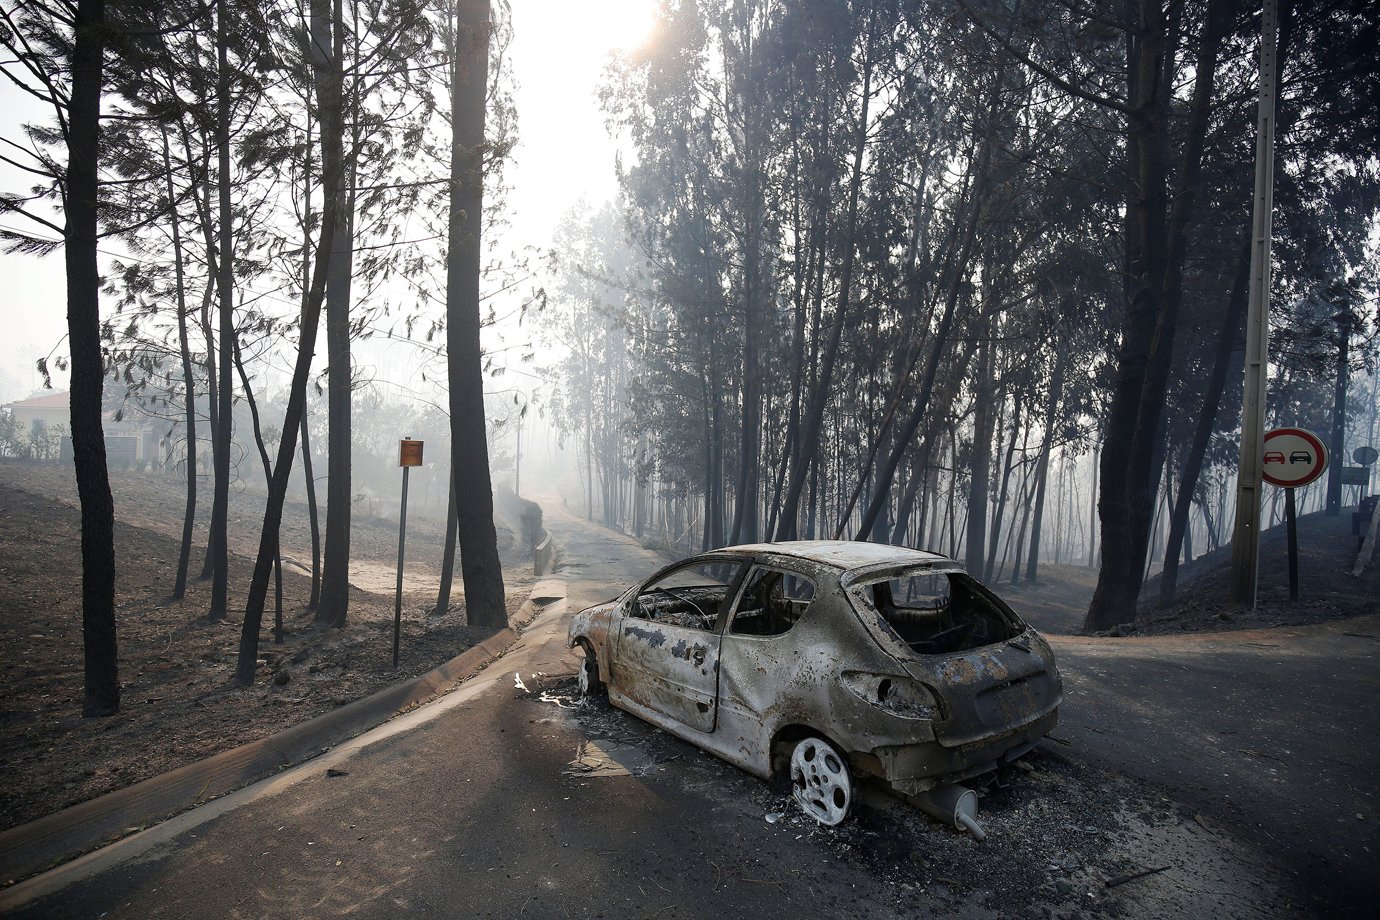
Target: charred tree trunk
(212, 370)
(940, 342)
(807, 445)
(101, 694)
(1092, 502)
(1228, 341)
(329, 96)
(980, 475)
(225, 290)
(309, 475)
(448, 551)
(328, 26)
(479, 564)
(184, 554)
(1156, 244)
(1337, 443)
(994, 539)
(268, 483)
(1056, 393)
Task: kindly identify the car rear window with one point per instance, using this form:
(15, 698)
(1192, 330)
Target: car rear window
(936, 613)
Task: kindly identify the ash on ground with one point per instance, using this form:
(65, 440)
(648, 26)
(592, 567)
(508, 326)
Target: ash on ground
(1064, 839)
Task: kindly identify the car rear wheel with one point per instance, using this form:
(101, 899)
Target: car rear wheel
(590, 684)
(821, 781)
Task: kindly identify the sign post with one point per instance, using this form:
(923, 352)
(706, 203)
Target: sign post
(1292, 458)
(409, 455)
(1245, 543)
(1365, 457)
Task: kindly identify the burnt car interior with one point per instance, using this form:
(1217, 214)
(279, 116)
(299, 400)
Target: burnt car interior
(694, 607)
(691, 597)
(771, 603)
(939, 613)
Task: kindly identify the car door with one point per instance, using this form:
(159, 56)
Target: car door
(666, 655)
(759, 651)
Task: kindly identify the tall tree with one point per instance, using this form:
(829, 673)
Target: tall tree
(479, 564)
(321, 51)
(56, 53)
(102, 686)
(225, 290)
(328, 35)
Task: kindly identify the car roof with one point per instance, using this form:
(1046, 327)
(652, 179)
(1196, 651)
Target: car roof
(842, 554)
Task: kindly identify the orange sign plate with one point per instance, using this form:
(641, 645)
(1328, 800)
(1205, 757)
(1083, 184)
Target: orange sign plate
(410, 453)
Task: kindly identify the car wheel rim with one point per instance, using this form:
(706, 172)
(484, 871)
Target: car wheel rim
(585, 667)
(820, 781)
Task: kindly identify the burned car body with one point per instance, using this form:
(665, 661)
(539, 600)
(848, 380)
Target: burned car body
(826, 659)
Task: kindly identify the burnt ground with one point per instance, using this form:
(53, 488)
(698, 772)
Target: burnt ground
(1327, 589)
(1057, 602)
(178, 701)
(1206, 760)
(1065, 838)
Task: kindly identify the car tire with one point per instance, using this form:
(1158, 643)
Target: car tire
(589, 682)
(821, 782)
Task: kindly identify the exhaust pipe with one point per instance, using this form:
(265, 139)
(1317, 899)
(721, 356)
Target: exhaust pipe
(952, 805)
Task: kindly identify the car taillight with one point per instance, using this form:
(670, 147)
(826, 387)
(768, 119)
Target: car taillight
(899, 696)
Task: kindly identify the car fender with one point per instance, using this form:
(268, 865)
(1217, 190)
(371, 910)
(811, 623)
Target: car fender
(593, 625)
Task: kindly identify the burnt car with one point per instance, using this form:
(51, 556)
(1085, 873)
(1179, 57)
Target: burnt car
(824, 660)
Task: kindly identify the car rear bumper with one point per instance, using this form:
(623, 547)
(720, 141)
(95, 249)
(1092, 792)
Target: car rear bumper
(915, 768)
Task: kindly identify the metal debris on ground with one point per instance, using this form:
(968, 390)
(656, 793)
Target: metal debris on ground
(564, 701)
(598, 757)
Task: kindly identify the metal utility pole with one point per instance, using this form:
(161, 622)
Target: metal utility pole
(1245, 552)
(409, 455)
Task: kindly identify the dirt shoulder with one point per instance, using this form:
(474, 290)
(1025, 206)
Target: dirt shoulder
(178, 700)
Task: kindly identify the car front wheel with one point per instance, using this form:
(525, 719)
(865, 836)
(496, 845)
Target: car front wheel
(590, 684)
(821, 781)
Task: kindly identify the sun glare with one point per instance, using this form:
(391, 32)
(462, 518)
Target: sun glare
(618, 25)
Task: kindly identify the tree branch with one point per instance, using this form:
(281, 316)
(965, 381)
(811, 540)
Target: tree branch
(1072, 89)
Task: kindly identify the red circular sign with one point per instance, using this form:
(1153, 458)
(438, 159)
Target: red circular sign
(1293, 457)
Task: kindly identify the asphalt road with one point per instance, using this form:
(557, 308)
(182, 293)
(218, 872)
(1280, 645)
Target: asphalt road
(471, 807)
(1271, 732)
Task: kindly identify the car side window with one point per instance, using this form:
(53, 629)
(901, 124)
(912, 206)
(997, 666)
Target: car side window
(690, 596)
(771, 602)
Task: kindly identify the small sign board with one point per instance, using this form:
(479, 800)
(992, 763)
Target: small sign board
(1355, 476)
(1365, 455)
(410, 452)
(1293, 457)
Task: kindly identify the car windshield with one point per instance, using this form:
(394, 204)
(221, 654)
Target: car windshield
(935, 612)
(690, 595)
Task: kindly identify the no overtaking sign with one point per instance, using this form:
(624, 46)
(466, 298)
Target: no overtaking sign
(1293, 457)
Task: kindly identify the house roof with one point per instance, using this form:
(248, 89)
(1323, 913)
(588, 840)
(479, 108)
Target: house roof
(59, 400)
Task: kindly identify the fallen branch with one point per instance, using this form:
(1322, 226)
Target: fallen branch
(1122, 880)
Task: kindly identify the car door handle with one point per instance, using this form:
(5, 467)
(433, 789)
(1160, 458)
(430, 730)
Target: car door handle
(698, 654)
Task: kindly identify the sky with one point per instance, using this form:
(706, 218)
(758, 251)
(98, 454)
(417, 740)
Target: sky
(564, 155)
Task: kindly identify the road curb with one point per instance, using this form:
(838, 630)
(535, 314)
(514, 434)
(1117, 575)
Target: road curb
(54, 839)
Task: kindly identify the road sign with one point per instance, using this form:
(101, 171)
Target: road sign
(1365, 455)
(1355, 476)
(1293, 457)
(409, 452)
